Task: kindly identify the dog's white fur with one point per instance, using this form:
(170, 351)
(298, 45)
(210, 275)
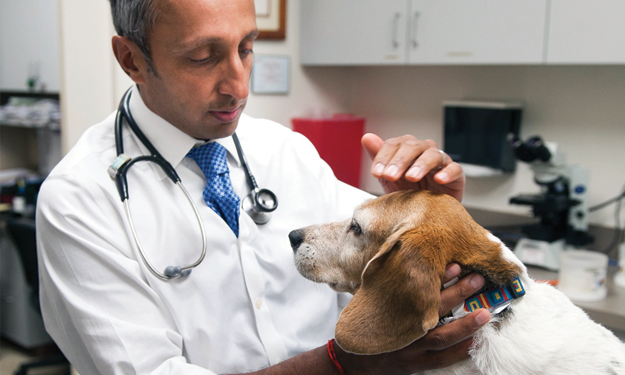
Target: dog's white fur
(543, 334)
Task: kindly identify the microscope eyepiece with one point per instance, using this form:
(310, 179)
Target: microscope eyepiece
(531, 150)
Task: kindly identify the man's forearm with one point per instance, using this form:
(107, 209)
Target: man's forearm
(440, 347)
(314, 362)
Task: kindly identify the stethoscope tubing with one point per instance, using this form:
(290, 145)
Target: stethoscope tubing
(122, 187)
(144, 257)
(259, 210)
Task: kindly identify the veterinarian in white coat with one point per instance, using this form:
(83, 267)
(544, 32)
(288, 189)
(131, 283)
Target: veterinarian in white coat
(244, 307)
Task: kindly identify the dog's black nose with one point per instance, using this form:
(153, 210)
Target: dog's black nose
(296, 237)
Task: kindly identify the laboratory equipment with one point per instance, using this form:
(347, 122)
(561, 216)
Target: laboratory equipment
(477, 135)
(562, 204)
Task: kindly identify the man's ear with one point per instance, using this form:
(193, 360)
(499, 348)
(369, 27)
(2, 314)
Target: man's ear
(396, 304)
(130, 58)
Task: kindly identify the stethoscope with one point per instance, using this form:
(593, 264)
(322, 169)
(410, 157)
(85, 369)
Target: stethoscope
(259, 203)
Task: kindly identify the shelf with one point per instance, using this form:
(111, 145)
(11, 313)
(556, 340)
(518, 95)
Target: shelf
(19, 124)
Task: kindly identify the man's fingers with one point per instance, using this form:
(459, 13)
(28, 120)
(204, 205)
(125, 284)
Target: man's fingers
(451, 355)
(381, 166)
(394, 157)
(409, 157)
(457, 293)
(372, 143)
(451, 172)
(445, 336)
(430, 159)
(451, 272)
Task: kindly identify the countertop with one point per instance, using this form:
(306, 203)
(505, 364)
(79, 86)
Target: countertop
(609, 312)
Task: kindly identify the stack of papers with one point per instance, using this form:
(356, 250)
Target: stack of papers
(31, 112)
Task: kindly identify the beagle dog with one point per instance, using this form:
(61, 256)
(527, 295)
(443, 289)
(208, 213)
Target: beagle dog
(392, 254)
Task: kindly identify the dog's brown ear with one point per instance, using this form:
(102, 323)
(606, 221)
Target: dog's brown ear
(396, 304)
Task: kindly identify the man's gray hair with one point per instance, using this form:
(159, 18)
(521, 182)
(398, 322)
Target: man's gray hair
(134, 19)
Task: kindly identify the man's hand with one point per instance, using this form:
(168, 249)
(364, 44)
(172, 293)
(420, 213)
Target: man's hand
(406, 162)
(440, 347)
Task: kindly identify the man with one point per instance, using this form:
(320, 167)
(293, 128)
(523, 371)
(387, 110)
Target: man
(244, 308)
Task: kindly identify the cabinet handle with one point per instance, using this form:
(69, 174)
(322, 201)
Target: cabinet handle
(396, 29)
(415, 18)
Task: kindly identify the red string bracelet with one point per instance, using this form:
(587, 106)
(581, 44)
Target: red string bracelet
(333, 357)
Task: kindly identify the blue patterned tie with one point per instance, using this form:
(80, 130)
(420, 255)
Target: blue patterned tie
(218, 193)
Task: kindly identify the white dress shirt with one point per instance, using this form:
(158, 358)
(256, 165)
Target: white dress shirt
(243, 308)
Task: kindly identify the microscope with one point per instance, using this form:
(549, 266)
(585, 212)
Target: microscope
(562, 204)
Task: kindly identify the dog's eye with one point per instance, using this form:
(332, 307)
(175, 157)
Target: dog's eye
(355, 228)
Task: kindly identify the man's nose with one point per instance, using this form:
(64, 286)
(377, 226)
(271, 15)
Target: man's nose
(236, 78)
(296, 237)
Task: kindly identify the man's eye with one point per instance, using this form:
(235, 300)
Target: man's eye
(204, 60)
(355, 228)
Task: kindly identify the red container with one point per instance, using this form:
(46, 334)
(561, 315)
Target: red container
(337, 140)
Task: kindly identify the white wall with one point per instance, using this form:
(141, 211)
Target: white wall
(581, 108)
(29, 44)
(88, 68)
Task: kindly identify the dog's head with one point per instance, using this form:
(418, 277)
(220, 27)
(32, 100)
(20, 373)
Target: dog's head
(392, 255)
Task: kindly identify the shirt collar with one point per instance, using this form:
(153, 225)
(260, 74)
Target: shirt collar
(228, 144)
(172, 143)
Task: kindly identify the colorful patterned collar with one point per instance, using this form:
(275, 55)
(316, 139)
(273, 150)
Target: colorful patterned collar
(494, 300)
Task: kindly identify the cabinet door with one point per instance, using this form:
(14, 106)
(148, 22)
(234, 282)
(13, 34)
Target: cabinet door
(353, 32)
(477, 31)
(586, 32)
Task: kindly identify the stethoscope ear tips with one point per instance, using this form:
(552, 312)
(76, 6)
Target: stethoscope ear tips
(176, 271)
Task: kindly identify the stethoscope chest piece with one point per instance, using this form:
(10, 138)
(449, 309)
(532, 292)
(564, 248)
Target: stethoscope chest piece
(259, 204)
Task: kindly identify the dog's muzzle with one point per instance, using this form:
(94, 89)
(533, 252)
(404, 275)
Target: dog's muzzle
(296, 237)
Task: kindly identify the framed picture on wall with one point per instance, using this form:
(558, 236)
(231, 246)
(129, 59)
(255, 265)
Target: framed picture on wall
(271, 19)
(270, 75)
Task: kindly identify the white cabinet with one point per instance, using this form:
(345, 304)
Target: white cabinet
(476, 32)
(353, 32)
(586, 32)
(370, 32)
(440, 32)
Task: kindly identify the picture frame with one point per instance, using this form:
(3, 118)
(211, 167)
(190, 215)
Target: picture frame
(271, 75)
(271, 19)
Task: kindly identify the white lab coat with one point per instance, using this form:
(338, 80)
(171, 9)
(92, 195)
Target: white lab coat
(245, 307)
